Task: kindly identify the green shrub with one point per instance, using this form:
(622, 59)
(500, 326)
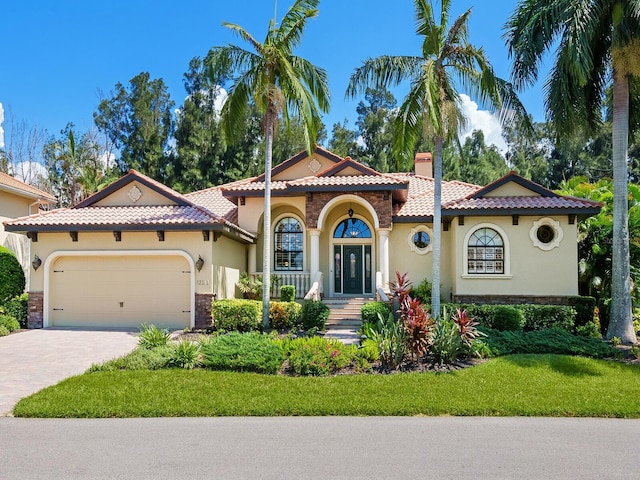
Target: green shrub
(590, 329)
(369, 311)
(245, 352)
(369, 350)
(4, 331)
(151, 336)
(12, 279)
(9, 323)
(287, 293)
(314, 314)
(318, 355)
(139, 359)
(284, 315)
(237, 315)
(584, 307)
(542, 317)
(185, 354)
(547, 341)
(504, 317)
(17, 307)
(422, 292)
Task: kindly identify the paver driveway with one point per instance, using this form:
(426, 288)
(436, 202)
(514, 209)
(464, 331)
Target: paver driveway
(33, 359)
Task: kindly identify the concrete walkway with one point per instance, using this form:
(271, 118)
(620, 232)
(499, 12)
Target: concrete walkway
(34, 359)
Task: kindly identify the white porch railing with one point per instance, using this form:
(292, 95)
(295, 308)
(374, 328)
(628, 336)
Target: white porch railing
(302, 282)
(315, 292)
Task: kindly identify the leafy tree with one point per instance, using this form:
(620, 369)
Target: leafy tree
(432, 106)
(138, 120)
(595, 240)
(375, 128)
(344, 141)
(75, 165)
(479, 163)
(281, 85)
(598, 45)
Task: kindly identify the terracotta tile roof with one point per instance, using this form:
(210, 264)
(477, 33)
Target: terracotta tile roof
(117, 216)
(348, 180)
(25, 189)
(520, 203)
(215, 202)
(251, 186)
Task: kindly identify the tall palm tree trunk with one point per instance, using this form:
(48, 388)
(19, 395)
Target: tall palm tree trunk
(266, 229)
(620, 324)
(437, 215)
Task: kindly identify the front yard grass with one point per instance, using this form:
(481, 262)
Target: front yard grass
(517, 385)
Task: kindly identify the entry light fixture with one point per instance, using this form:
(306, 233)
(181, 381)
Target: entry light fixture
(350, 211)
(199, 263)
(36, 262)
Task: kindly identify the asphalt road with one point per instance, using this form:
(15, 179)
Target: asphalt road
(320, 447)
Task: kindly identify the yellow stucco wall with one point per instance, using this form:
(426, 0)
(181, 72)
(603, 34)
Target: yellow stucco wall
(511, 189)
(301, 169)
(223, 253)
(533, 271)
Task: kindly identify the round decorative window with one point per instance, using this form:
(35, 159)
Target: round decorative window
(420, 239)
(546, 234)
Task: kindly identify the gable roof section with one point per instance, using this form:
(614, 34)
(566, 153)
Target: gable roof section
(13, 185)
(298, 157)
(87, 216)
(515, 178)
(132, 176)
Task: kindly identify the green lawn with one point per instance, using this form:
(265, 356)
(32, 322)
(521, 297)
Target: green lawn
(518, 385)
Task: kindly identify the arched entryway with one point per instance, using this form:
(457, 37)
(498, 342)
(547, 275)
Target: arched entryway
(352, 257)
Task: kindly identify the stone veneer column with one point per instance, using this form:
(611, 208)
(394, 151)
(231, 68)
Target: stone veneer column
(35, 313)
(251, 268)
(203, 310)
(383, 263)
(314, 252)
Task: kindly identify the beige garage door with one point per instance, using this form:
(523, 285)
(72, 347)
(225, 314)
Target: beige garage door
(120, 291)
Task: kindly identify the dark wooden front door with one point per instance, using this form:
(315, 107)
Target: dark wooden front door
(352, 269)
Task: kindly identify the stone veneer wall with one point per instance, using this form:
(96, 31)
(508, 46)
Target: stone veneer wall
(512, 299)
(382, 207)
(35, 313)
(203, 309)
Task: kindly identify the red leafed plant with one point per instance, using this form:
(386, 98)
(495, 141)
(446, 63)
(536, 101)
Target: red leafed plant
(418, 324)
(466, 326)
(401, 287)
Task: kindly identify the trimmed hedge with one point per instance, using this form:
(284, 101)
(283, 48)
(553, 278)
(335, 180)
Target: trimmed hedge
(541, 317)
(585, 307)
(10, 323)
(238, 315)
(17, 307)
(12, 279)
(369, 311)
(285, 315)
(287, 293)
(314, 314)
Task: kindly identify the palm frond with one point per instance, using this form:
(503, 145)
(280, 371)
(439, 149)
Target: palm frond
(383, 72)
(316, 79)
(288, 35)
(246, 36)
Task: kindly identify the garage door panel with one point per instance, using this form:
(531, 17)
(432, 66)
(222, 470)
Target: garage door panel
(120, 291)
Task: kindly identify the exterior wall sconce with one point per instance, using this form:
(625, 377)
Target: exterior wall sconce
(199, 263)
(350, 212)
(36, 262)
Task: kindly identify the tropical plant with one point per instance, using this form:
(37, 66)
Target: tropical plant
(391, 338)
(280, 84)
(418, 325)
(151, 336)
(186, 354)
(432, 107)
(598, 46)
(466, 326)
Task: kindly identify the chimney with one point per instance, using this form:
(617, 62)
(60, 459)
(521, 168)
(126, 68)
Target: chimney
(423, 165)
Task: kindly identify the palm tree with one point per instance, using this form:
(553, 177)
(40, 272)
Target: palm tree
(598, 48)
(280, 84)
(432, 107)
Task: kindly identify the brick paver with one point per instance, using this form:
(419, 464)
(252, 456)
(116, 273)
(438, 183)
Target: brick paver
(31, 360)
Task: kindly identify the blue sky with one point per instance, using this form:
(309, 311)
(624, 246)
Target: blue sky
(58, 58)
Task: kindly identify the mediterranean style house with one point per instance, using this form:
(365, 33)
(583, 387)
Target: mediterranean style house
(18, 199)
(138, 251)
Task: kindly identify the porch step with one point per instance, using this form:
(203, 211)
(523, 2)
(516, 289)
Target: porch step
(344, 318)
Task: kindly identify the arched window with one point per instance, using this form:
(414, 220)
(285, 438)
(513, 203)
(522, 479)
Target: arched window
(352, 228)
(485, 252)
(288, 245)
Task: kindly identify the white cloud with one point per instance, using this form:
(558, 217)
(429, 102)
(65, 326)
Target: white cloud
(1, 129)
(481, 120)
(29, 172)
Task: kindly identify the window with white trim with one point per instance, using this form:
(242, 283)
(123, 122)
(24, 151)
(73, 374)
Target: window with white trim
(485, 252)
(288, 245)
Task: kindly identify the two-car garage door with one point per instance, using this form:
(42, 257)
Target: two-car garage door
(120, 291)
